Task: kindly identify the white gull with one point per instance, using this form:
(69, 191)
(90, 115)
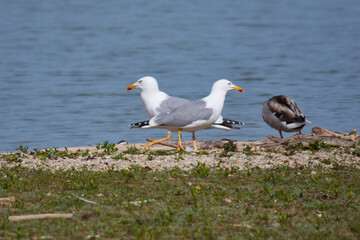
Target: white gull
(193, 116)
(156, 101)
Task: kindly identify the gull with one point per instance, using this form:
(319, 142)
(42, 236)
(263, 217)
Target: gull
(193, 116)
(282, 113)
(156, 101)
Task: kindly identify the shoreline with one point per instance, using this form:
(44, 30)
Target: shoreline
(326, 150)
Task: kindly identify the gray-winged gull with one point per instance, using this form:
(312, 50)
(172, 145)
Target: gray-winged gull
(156, 101)
(193, 116)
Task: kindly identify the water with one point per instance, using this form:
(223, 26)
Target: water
(65, 65)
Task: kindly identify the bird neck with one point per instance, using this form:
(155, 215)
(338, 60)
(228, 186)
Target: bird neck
(217, 96)
(152, 101)
(216, 100)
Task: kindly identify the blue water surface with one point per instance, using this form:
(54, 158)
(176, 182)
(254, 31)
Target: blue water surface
(65, 65)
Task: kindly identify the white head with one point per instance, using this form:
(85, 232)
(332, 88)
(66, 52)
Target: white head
(225, 85)
(145, 83)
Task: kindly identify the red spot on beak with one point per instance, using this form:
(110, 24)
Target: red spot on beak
(130, 87)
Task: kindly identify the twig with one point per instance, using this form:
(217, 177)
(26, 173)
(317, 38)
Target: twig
(7, 199)
(83, 199)
(138, 203)
(40, 216)
(162, 143)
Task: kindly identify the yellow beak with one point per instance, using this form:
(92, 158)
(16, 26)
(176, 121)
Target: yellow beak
(132, 86)
(238, 89)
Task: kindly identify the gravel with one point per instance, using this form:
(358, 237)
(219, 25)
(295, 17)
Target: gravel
(256, 157)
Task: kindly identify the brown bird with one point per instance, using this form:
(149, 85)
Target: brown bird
(282, 113)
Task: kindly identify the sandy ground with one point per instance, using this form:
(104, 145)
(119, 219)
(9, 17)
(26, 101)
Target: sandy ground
(264, 154)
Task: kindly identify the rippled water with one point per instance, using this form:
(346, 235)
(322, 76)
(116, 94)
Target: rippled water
(65, 65)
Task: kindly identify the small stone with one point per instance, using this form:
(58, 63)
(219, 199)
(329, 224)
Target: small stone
(305, 144)
(353, 132)
(318, 213)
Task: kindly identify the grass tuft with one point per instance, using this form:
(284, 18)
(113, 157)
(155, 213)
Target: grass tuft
(133, 150)
(228, 147)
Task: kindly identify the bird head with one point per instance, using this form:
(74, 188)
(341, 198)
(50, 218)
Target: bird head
(144, 83)
(226, 85)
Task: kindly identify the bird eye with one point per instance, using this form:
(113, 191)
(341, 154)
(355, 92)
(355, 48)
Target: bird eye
(229, 83)
(140, 81)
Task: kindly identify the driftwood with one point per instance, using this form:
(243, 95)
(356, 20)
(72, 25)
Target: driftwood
(7, 200)
(336, 139)
(162, 143)
(351, 136)
(318, 134)
(346, 140)
(40, 216)
(274, 143)
(309, 140)
(205, 144)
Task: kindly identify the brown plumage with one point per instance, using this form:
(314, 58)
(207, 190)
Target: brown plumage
(282, 113)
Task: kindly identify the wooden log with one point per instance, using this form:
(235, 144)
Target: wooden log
(7, 199)
(337, 142)
(40, 216)
(318, 131)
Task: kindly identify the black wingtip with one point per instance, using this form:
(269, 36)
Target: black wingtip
(139, 124)
(231, 122)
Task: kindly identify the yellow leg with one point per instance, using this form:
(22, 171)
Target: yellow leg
(179, 147)
(194, 142)
(158, 141)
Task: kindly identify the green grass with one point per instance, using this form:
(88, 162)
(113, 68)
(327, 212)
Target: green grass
(229, 146)
(205, 203)
(105, 149)
(316, 146)
(108, 148)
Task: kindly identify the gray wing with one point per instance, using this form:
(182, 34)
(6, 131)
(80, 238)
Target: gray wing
(171, 103)
(185, 114)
